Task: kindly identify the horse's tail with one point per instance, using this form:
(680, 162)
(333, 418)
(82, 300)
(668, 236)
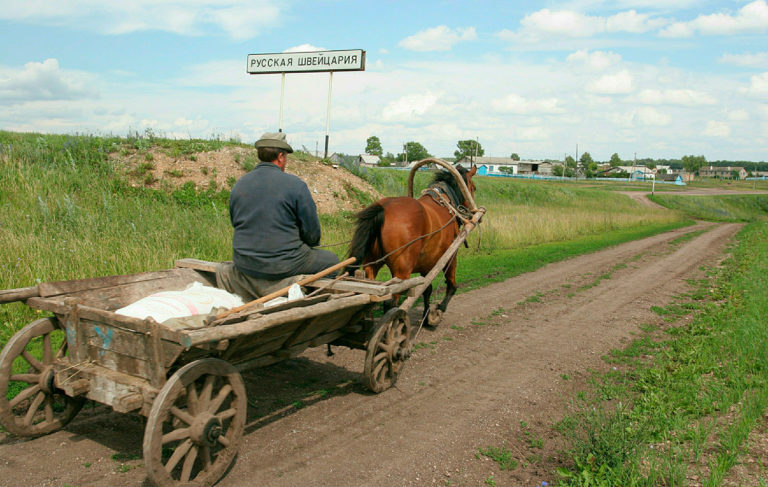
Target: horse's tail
(367, 231)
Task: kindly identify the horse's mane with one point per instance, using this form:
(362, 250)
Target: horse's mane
(449, 181)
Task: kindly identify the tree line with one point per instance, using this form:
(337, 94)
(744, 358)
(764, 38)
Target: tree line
(414, 151)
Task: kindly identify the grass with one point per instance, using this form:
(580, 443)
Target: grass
(69, 211)
(726, 208)
(681, 402)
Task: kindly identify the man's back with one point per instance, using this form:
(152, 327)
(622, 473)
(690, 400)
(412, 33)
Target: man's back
(275, 222)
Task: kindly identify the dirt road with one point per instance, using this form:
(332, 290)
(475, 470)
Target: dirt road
(498, 371)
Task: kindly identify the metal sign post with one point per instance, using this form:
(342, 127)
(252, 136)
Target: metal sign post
(307, 62)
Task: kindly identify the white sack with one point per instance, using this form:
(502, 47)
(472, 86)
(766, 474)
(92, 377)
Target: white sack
(197, 299)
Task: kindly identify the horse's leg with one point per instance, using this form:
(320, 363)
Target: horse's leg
(427, 294)
(450, 283)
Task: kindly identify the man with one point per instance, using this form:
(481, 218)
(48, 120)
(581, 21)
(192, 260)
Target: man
(276, 225)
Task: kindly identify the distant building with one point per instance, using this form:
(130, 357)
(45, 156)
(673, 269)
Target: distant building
(490, 165)
(723, 172)
(368, 160)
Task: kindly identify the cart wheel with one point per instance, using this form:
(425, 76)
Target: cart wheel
(388, 348)
(30, 404)
(435, 315)
(195, 425)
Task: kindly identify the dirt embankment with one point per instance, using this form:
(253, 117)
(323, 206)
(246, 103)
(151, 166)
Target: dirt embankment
(332, 188)
(498, 371)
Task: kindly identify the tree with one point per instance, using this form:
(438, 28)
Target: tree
(570, 162)
(558, 170)
(467, 148)
(693, 163)
(585, 160)
(514, 156)
(415, 152)
(650, 165)
(373, 146)
(615, 160)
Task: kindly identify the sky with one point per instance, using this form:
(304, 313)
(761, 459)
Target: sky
(641, 78)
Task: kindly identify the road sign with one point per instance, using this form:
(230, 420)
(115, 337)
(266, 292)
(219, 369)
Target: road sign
(306, 62)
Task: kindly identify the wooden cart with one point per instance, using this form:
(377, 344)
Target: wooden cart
(184, 376)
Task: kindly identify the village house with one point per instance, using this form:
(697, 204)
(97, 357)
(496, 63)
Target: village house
(368, 160)
(723, 172)
(490, 165)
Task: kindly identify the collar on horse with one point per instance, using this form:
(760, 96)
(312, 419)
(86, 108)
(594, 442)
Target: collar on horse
(444, 195)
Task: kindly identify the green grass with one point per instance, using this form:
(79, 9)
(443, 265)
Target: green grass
(725, 208)
(686, 397)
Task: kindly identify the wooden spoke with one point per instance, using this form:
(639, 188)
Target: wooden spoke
(192, 399)
(47, 351)
(205, 455)
(205, 393)
(226, 414)
(179, 453)
(220, 398)
(189, 462)
(32, 361)
(176, 435)
(200, 457)
(36, 403)
(183, 415)
(28, 378)
(22, 414)
(24, 395)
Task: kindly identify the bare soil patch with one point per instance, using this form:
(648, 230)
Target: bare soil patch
(332, 188)
(499, 371)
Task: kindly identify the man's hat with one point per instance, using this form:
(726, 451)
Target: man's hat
(274, 139)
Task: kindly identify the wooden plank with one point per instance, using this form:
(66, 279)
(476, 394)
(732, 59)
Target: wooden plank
(374, 288)
(323, 324)
(20, 294)
(75, 340)
(197, 264)
(155, 355)
(102, 338)
(106, 386)
(212, 334)
(253, 313)
(48, 289)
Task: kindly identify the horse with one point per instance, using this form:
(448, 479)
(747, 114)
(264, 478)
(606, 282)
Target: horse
(410, 235)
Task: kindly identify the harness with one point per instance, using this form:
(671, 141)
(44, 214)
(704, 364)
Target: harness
(441, 194)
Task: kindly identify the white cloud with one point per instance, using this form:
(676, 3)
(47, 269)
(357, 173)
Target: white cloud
(304, 48)
(546, 23)
(530, 133)
(612, 84)
(758, 84)
(651, 116)
(595, 60)
(409, 106)
(751, 18)
(240, 19)
(675, 97)
(43, 81)
(751, 60)
(516, 104)
(717, 129)
(738, 115)
(440, 38)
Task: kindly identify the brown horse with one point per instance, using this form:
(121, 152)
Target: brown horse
(414, 232)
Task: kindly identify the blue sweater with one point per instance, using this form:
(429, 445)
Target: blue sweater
(275, 222)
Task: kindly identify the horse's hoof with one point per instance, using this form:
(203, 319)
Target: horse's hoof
(435, 316)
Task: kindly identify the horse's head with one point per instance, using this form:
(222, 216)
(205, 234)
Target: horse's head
(466, 175)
